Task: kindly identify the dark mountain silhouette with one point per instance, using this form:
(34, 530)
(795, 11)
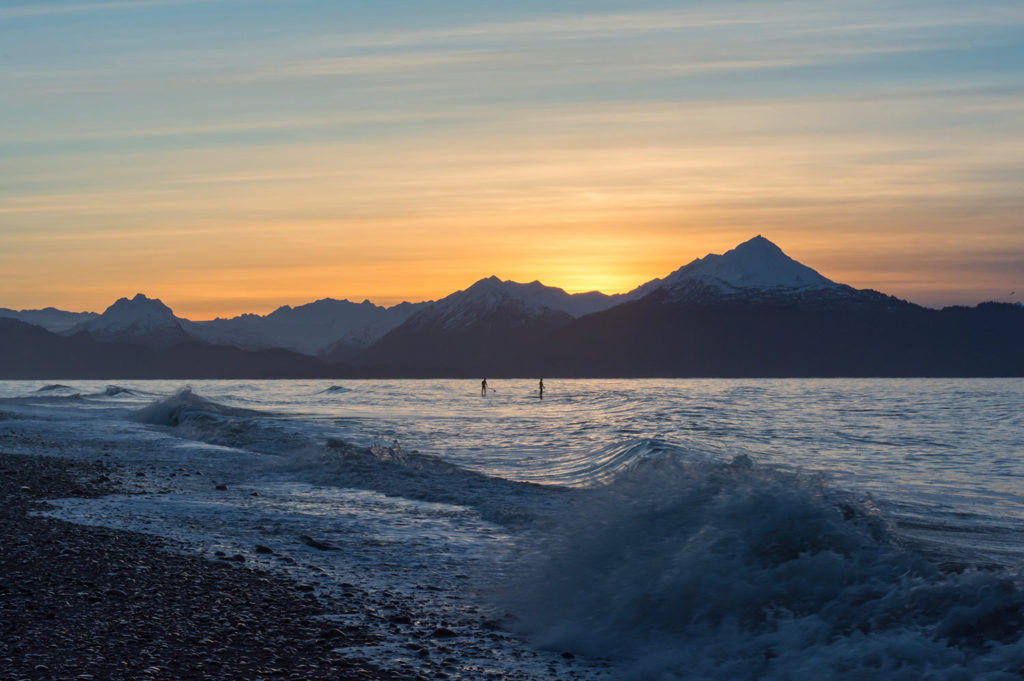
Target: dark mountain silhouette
(322, 328)
(493, 327)
(50, 318)
(28, 351)
(330, 329)
(864, 336)
(752, 311)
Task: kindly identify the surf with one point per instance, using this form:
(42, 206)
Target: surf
(682, 568)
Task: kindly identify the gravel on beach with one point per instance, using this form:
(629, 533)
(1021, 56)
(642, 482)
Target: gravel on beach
(81, 603)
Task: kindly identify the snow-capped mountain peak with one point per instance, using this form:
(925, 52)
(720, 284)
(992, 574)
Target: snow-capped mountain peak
(755, 266)
(491, 294)
(139, 320)
(139, 310)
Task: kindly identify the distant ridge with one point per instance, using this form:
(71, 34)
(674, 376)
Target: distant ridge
(324, 328)
(463, 307)
(49, 318)
(31, 352)
(751, 311)
(491, 327)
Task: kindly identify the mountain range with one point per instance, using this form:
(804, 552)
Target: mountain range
(752, 311)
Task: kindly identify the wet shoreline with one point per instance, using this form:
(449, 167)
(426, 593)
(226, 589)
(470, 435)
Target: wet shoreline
(80, 602)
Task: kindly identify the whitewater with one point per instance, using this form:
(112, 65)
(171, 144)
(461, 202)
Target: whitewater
(615, 529)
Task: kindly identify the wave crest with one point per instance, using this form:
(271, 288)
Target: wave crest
(54, 387)
(737, 571)
(114, 390)
(184, 406)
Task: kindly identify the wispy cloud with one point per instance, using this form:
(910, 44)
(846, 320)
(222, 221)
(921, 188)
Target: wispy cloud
(208, 130)
(615, 143)
(44, 9)
(358, 65)
(799, 16)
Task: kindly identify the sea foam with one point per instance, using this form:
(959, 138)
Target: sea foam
(687, 569)
(392, 470)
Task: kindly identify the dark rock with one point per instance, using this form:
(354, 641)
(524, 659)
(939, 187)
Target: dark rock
(319, 546)
(443, 632)
(263, 549)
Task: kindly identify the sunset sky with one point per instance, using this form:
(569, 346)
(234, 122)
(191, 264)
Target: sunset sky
(232, 156)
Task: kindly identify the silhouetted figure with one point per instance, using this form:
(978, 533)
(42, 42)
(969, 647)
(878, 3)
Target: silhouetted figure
(483, 387)
(541, 389)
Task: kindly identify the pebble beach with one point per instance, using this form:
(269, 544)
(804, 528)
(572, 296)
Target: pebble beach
(79, 602)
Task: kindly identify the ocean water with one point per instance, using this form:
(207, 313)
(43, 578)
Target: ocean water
(616, 529)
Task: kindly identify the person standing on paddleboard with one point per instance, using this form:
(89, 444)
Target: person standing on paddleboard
(540, 389)
(483, 388)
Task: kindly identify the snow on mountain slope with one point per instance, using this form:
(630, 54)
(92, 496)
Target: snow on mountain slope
(141, 320)
(328, 328)
(573, 304)
(50, 318)
(526, 300)
(755, 266)
(311, 329)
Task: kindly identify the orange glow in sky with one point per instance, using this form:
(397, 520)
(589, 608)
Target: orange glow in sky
(231, 162)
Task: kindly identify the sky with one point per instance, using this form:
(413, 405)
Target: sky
(232, 156)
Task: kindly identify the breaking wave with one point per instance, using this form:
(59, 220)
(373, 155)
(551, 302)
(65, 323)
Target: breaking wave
(197, 418)
(690, 569)
(681, 564)
(183, 406)
(335, 390)
(114, 390)
(54, 387)
(388, 469)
